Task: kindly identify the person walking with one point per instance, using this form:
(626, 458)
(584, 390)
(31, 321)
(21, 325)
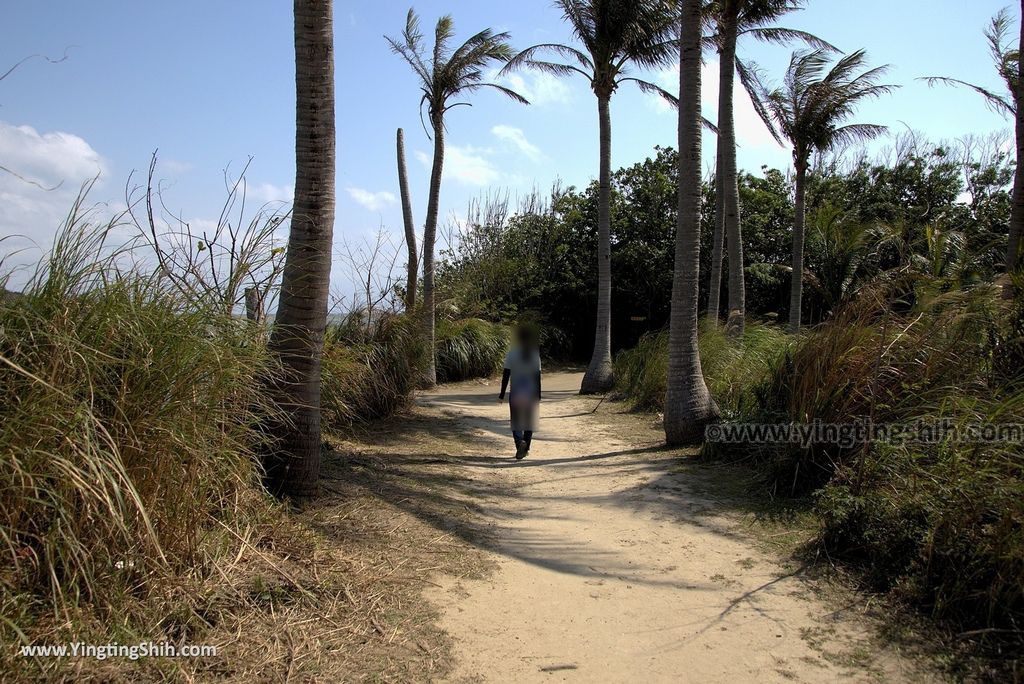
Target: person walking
(521, 378)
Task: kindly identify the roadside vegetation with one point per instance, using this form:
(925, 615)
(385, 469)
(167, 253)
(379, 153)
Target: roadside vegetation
(155, 413)
(133, 506)
(907, 324)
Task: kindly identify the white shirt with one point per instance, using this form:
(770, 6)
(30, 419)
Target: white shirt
(522, 371)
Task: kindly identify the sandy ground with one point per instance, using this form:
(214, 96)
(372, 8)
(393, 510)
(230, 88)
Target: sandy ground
(615, 564)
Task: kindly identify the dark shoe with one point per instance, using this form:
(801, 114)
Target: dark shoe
(521, 452)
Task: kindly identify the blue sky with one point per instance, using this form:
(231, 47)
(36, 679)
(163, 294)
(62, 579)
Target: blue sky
(210, 83)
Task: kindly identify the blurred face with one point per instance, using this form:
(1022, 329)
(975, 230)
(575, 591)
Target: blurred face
(525, 338)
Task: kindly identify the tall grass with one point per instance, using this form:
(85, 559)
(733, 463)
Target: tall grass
(469, 348)
(128, 428)
(938, 522)
(731, 368)
(369, 373)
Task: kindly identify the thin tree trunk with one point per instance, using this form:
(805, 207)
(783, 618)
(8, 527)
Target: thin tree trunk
(253, 305)
(410, 231)
(717, 244)
(599, 376)
(1017, 209)
(730, 181)
(429, 238)
(796, 290)
(293, 465)
(688, 404)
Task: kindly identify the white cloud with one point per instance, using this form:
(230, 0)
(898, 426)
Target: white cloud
(268, 192)
(539, 87)
(374, 201)
(465, 164)
(50, 170)
(750, 130)
(517, 139)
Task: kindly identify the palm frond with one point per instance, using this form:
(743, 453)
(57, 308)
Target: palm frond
(527, 56)
(854, 133)
(750, 79)
(777, 35)
(443, 32)
(471, 88)
(655, 89)
(997, 103)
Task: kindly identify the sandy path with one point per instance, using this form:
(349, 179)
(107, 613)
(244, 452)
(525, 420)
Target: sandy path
(611, 567)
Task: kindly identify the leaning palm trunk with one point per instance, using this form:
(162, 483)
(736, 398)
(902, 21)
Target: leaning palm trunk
(717, 244)
(293, 466)
(410, 231)
(429, 238)
(688, 404)
(796, 291)
(730, 182)
(1017, 210)
(599, 377)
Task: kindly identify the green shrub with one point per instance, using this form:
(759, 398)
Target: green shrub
(469, 348)
(941, 523)
(730, 368)
(874, 364)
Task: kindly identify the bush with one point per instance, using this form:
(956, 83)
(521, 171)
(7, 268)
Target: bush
(469, 348)
(874, 364)
(368, 375)
(940, 523)
(128, 427)
(731, 369)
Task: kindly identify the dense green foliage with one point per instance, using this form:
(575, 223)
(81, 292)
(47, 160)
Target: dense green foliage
(941, 209)
(470, 348)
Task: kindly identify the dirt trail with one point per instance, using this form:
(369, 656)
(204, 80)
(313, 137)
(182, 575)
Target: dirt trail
(614, 564)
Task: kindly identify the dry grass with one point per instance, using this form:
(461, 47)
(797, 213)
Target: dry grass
(332, 592)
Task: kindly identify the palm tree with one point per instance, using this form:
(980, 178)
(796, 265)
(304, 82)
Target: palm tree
(736, 18)
(844, 249)
(614, 35)
(1006, 57)
(293, 465)
(444, 76)
(412, 268)
(810, 110)
(688, 404)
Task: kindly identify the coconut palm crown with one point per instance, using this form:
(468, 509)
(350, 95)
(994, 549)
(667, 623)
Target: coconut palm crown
(446, 76)
(811, 111)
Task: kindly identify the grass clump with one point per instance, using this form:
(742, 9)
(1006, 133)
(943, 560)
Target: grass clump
(730, 367)
(129, 431)
(469, 348)
(930, 507)
(369, 372)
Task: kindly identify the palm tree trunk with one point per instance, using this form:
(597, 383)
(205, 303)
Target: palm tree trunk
(727, 163)
(599, 377)
(410, 231)
(796, 290)
(688, 404)
(293, 466)
(717, 244)
(1017, 209)
(429, 238)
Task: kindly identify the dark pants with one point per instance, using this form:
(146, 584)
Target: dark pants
(523, 415)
